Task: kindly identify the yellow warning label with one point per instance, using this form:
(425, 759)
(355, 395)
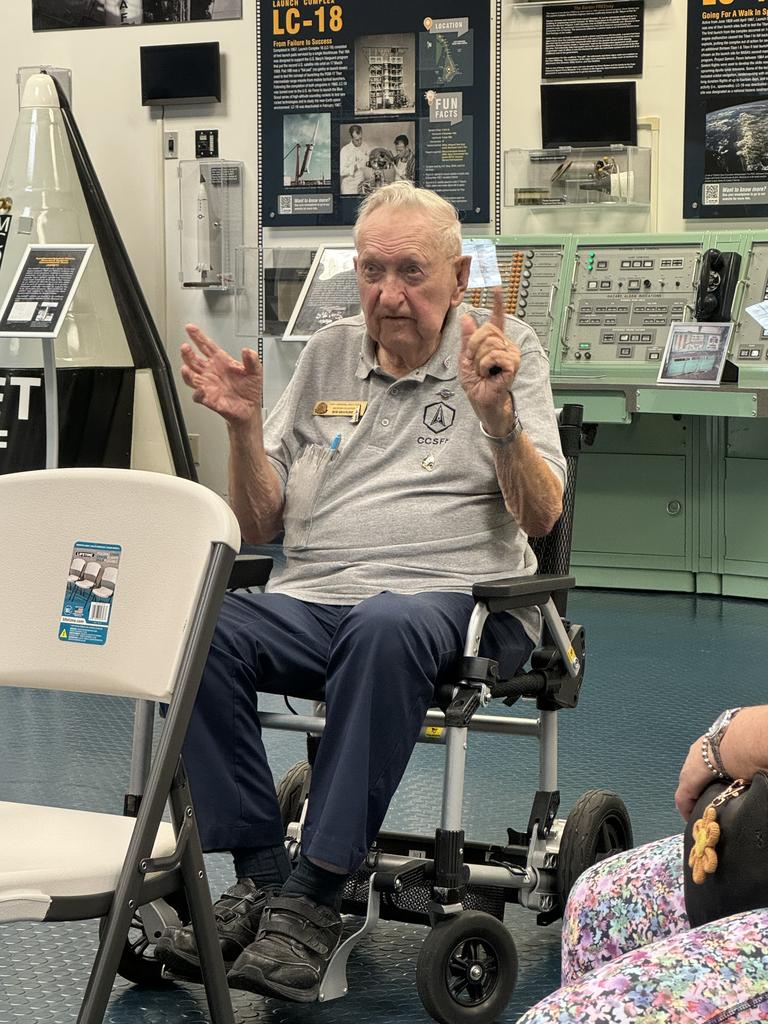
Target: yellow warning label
(340, 408)
(434, 730)
(63, 634)
(571, 655)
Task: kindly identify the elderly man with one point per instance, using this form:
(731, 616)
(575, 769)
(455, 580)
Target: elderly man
(412, 453)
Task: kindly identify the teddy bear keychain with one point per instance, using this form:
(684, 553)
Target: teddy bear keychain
(706, 833)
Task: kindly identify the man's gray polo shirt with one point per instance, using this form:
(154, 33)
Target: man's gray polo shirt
(409, 500)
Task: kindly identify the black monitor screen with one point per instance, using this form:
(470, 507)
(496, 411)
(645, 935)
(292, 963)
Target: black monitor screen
(180, 73)
(588, 114)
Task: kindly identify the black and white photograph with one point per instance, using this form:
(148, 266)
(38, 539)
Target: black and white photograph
(307, 150)
(374, 154)
(385, 74)
(55, 14)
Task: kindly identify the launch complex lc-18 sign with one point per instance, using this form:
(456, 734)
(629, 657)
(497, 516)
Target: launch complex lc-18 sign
(354, 96)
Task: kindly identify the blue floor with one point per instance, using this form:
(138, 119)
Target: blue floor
(659, 669)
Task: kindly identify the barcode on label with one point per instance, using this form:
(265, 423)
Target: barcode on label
(711, 195)
(98, 612)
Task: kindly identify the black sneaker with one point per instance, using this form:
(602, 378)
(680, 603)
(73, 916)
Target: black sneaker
(294, 945)
(237, 913)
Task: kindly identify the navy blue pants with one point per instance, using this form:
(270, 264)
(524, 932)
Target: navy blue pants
(375, 664)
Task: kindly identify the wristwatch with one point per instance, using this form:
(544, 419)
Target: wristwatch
(513, 435)
(715, 733)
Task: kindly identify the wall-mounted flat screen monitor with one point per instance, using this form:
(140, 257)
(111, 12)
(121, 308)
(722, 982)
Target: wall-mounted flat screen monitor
(180, 73)
(588, 114)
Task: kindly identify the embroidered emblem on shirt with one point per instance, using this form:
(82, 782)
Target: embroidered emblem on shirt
(438, 417)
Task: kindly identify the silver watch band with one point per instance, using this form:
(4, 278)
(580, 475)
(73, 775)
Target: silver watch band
(509, 438)
(716, 735)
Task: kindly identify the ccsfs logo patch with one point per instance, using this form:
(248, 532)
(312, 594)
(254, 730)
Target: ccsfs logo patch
(438, 417)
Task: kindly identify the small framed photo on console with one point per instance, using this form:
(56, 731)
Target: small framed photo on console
(695, 353)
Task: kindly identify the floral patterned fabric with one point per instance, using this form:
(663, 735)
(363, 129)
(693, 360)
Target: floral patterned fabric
(630, 956)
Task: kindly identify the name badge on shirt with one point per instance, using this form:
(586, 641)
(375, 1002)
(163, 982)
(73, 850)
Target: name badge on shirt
(353, 410)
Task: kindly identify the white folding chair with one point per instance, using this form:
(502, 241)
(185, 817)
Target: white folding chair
(58, 864)
(90, 576)
(107, 583)
(76, 570)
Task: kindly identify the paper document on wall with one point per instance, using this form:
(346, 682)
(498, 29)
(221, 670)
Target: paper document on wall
(759, 312)
(484, 269)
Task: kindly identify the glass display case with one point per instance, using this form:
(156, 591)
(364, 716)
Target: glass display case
(545, 179)
(210, 222)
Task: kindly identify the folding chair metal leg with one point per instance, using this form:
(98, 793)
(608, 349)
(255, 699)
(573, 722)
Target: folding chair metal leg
(104, 969)
(128, 898)
(199, 899)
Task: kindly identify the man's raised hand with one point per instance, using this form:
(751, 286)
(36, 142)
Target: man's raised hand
(232, 389)
(482, 350)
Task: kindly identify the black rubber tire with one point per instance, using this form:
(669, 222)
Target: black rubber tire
(462, 943)
(137, 961)
(597, 827)
(289, 791)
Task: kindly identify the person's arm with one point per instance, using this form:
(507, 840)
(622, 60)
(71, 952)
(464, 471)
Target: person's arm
(346, 161)
(531, 490)
(255, 492)
(744, 747)
(233, 389)
(744, 750)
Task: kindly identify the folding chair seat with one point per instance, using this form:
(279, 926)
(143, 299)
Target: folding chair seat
(63, 864)
(51, 853)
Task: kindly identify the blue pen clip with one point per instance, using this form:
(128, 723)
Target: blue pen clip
(335, 443)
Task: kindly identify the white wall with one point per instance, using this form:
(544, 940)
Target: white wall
(125, 143)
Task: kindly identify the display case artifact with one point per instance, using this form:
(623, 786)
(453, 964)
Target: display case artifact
(616, 176)
(210, 222)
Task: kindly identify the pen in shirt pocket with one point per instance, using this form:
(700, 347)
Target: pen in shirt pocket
(335, 444)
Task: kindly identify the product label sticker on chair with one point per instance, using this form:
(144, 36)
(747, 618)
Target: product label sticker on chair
(90, 589)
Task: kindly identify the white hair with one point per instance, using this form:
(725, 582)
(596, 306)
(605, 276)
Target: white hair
(444, 221)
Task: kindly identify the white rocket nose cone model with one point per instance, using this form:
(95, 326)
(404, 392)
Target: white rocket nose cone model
(117, 402)
(40, 91)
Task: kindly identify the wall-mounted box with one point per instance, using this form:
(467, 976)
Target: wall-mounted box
(210, 222)
(615, 176)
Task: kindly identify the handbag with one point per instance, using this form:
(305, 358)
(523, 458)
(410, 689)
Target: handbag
(725, 860)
